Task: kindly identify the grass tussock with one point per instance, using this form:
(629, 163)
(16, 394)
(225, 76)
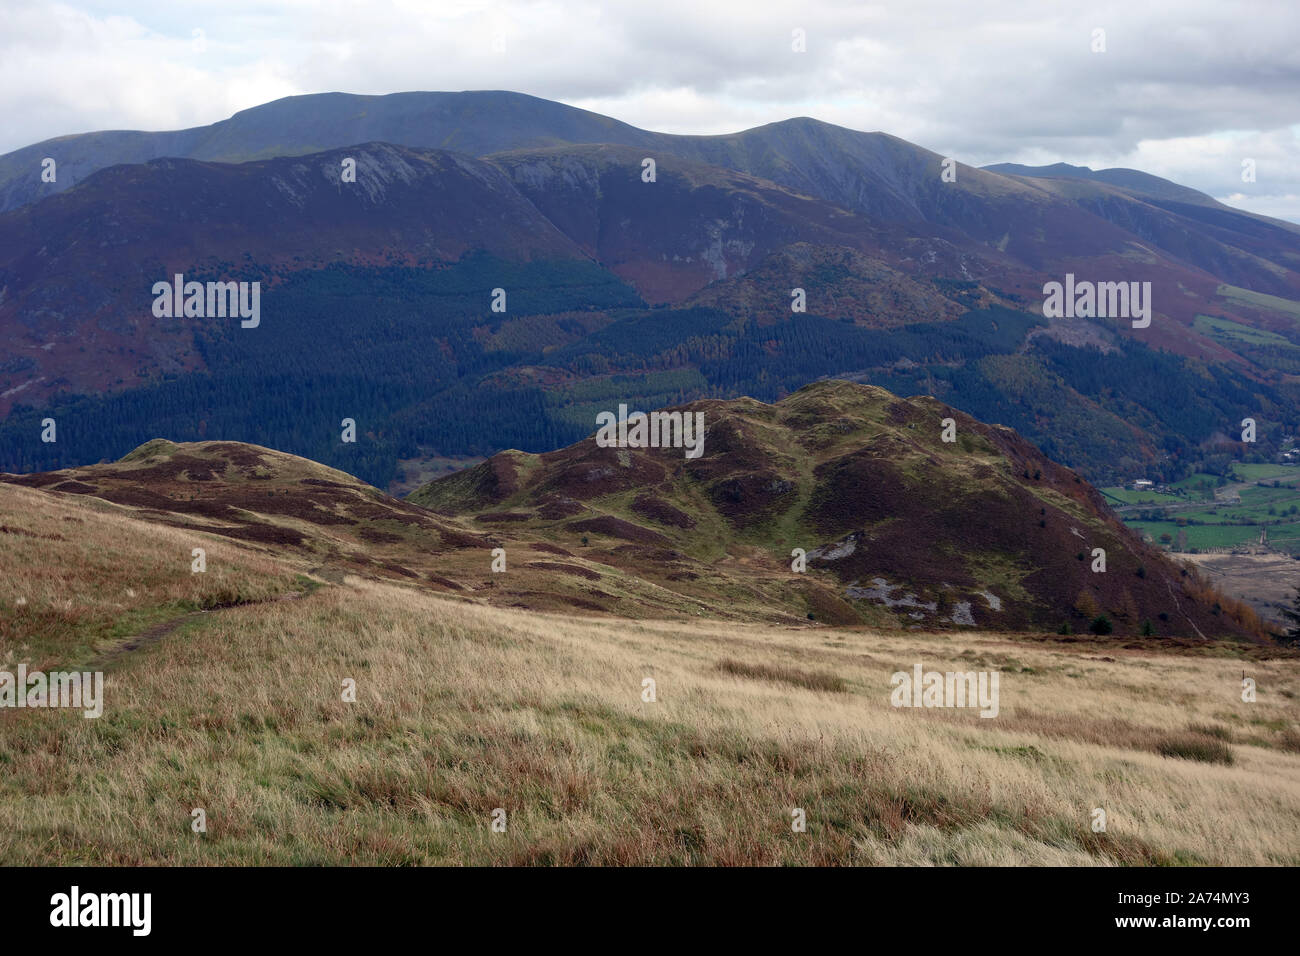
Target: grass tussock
(784, 675)
(1195, 746)
(1217, 731)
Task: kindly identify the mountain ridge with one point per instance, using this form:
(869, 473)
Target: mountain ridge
(685, 287)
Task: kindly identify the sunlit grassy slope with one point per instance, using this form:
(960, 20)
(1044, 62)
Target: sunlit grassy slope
(78, 576)
(462, 709)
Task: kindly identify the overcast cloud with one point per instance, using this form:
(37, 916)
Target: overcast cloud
(1184, 90)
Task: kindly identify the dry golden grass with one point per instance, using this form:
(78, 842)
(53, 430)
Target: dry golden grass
(812, 680)
(80, 575)
(463, 709)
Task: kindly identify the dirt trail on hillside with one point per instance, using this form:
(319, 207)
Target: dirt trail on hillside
(1174, 598)
(160, 630)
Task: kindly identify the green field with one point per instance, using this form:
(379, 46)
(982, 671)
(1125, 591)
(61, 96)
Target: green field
(1200, 480)
(1285, 537)
(1232, 333)
(1266, 472)
(1259, 300)
(1129, 497)
(1218, 524)
(1200, 536)
(578, 403)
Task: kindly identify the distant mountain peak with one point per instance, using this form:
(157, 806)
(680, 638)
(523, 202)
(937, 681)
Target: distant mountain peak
(1133, 180)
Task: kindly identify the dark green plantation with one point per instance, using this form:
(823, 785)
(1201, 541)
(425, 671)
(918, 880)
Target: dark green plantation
(423, 365)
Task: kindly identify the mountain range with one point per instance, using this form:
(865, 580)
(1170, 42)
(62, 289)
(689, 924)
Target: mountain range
(378, 293)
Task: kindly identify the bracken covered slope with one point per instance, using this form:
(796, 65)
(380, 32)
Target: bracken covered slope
(899, 527)
(897, 524)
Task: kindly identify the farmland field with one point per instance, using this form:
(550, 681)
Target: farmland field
(1255, 496)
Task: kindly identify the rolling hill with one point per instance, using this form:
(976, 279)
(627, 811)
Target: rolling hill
(899, 527)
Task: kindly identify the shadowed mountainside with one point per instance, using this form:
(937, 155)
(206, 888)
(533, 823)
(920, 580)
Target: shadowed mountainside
(662, 292)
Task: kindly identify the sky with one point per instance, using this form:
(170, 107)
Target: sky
(1187, 90)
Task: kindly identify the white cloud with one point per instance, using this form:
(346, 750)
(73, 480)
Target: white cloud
(1181, 90)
